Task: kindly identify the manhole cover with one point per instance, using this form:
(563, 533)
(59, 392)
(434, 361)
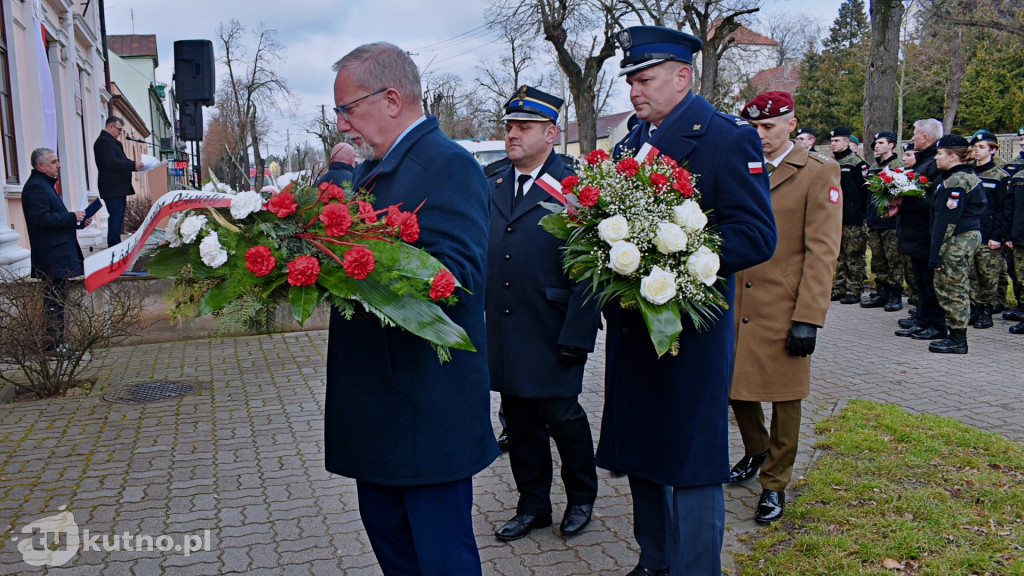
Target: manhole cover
(142, 392)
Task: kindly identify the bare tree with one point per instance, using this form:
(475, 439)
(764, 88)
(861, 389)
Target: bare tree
(1000, 15)
(253, 86)
(794, 32)
(883, 62)
(325, 128)
(499, 78)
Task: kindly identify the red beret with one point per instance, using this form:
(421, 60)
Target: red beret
(768, 105)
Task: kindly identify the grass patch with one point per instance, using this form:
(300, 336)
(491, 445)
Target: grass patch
(900, 494)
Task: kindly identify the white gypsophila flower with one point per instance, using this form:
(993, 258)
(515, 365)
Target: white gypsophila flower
(190, 228)
(245, 203)
(669, 238)
(172, 229)
(689, 216)
(211, 252)
(614, 229)
(703, 265)
(659, 287)
(624, 257)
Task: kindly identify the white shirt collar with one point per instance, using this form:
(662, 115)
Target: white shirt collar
(779, 160)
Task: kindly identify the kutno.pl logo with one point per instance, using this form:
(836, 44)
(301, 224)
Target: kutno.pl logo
(55, 539)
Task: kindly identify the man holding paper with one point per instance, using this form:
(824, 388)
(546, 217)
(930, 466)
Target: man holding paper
(114, 176)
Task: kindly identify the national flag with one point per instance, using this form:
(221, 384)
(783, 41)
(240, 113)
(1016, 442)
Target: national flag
(755, 167)
(552, 186)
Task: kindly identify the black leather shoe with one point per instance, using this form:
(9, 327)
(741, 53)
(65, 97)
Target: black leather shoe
(520, 526)
(1017, 314)
(1017, 328)
(905, 322)
(747, 467)
(913, 311)
(894, 304)
(929, 334)
(770, 507)
(576, 519)
(849, 299)
(641, 571)
(876, 301)
(910, 331)
(503, 441)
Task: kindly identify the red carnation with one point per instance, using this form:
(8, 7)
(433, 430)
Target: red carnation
(569, 182)
(628, 167)
(330, 191)
(910, 174)
(589, 195)
(596, 157)
(283, 204)
(337, 219)
(898, 170)
(442, 285)
(404, 224)
(669, 161)
(359, 262)
(660, 181)
(366, 211)
(260, 260)
(885, 177)
(411, 228)
(682, 183)
(303, 271)
(924, 179)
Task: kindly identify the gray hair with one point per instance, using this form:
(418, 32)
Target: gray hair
(383, 65)
(38, 154)
(930, 127)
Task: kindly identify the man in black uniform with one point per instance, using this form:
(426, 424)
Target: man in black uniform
(1012, 168)
(851, 269)
(539, 327)
(886, 262)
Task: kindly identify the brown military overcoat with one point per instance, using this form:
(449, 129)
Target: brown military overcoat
(794, 286)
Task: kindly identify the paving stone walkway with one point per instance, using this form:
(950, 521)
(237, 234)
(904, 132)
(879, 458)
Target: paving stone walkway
(230, 480)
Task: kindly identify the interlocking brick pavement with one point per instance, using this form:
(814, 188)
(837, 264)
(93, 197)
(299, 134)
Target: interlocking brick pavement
(242, 458)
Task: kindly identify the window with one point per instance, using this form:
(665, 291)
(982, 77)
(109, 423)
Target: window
(7, 108)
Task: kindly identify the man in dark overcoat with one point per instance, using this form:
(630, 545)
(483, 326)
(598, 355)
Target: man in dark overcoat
(539, 327)
(114, 176)
(410, 430)
(781, 303)
(55, 254)
(666, 420)
(339, 171)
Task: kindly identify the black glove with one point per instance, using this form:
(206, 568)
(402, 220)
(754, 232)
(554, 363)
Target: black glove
(801, 338)
(571, 355)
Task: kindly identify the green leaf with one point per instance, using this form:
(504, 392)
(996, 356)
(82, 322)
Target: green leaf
(168, 262)
(663, 323)
(335, 281)
(414, 262)
(557, 225)
(216, 297)
(424, 319)
(304, 300)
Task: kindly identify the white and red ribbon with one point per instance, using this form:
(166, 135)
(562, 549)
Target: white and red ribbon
(646, 152)
(552, 186)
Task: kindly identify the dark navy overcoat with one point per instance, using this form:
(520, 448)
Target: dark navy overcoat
(666, 419)
(532, 306)
(394, 414)
(52, 230)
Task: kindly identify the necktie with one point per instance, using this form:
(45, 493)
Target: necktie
(523, 179)
(770, 167)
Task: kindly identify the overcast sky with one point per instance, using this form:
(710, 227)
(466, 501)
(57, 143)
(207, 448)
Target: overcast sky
(316, 33)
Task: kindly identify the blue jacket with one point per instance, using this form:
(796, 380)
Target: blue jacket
(339, 174)
(51, 230)
(667, 419)
(395, 415)
(532, 306)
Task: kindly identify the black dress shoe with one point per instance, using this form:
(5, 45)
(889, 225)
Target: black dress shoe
(520, 526)
(1016, 314)
(914, 329)
(503, 441)
(929, 334)
(576, 519)
(641, 571)
(876, 301)
(1017, 328)
(770, 506)
(906, 322)
(894, 304)
(849, 299)
(747, 467)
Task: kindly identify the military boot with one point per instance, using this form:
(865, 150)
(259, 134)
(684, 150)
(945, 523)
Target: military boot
(975, 312)
(984, 317)
(1017, 328)
(1015, 314)
(879, 299)
(955, 343)
(895, 302)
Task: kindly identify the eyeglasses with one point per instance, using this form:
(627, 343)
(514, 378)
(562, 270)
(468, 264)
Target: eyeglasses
(345, 109)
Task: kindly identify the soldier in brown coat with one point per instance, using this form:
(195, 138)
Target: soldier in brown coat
(781, 303)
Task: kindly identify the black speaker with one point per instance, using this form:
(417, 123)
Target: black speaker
(194, 71)
(190, 122)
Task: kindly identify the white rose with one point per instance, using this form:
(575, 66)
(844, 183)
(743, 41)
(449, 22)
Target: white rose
(190, 228)
(688, 215)
(172, 229)
(670, 238)
(211, 252)
(624, 257)
(703, 265)
(614, 229)
(245, 203)
(659, 287)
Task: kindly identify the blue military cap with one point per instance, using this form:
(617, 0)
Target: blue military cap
(888, 135)
(984, 136)
(646, 46)
(529, 103)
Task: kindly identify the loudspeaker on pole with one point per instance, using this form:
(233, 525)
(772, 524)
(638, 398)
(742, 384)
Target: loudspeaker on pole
(194, 78)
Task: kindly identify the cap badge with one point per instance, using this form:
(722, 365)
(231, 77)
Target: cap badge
(624, 40)
(752, 111)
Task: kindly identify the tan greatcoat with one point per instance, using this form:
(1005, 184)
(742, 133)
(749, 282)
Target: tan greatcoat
(794, 285)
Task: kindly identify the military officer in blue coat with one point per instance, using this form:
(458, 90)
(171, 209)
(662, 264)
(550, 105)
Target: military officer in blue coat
(666, 419)
(540, 326)
(410, 430)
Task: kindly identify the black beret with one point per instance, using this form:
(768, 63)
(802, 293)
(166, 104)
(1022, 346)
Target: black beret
(840, 131)
(952, 141)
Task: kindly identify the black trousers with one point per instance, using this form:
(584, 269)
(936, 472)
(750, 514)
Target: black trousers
(531, 424)
(929, 313)
(54, 298)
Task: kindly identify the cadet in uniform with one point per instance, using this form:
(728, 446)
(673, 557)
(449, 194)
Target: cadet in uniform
(850, 270)
(807, 138)
(1014, 167)
(988, 264)
(1013, 219)
(956, 207)
(886, 262)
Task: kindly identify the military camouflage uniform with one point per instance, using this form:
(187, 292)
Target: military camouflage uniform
(956, 207)
(852, 265)
(988, 265)
(886, 262)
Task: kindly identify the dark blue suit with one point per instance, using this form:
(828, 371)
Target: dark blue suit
(666, 419)
(410, 430)
(532, 308)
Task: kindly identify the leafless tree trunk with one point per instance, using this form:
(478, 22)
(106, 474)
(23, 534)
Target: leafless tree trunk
(883, 61)
(956, 68)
